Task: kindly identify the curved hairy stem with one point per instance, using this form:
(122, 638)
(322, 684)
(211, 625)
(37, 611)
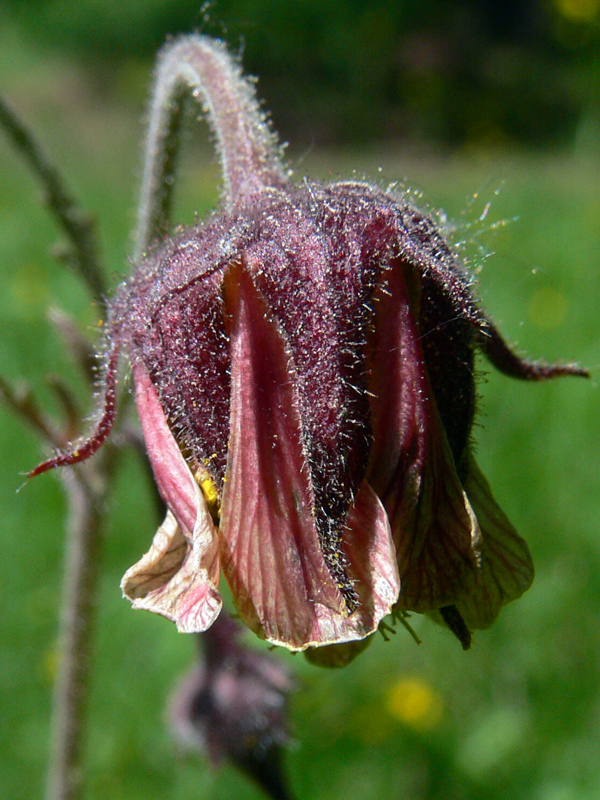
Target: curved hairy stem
(250, 156)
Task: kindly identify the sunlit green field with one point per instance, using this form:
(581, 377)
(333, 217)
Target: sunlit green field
(516, 717)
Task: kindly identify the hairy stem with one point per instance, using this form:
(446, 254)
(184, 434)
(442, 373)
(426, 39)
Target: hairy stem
(504, 358)
(78, 226)
(250, 157)
(86, 490)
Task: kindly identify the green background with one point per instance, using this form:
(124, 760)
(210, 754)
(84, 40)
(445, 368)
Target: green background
(519, 715)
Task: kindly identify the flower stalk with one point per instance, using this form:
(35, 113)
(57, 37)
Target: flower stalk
(201, 69)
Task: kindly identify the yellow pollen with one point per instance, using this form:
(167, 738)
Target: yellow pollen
(210, 492)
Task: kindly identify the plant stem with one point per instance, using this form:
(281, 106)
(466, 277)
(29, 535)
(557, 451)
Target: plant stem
(86, 490)
(86, 487)
(79, 226)
(202, 69)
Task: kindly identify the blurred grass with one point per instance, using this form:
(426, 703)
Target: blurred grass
(519, 715)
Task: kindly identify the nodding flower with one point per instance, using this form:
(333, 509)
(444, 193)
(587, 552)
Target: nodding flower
(304, 371)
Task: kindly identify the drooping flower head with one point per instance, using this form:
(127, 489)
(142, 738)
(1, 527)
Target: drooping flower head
(303, 364)
(234, 705)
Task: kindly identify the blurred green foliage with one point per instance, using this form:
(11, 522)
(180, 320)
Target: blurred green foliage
(519, 715)
(524, 71)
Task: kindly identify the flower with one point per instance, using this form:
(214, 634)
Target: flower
(304, 365)
(234, 705)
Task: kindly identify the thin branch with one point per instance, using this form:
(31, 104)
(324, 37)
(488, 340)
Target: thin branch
(21, 402)
(69, 407)
(79, 227)
(86, 488)
(80, 348)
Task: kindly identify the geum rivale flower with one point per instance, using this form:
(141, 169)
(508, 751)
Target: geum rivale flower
(303, 364)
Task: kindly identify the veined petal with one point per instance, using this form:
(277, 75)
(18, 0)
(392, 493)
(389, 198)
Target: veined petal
(412, 469)
(438, 540)
(271, 554)
(506, 567)
(177, 579)
(371, 557)
(179, 575)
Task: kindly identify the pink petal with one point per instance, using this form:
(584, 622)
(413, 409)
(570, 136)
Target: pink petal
(179, 575)
(171, 579)
(270, 549)
(371, 556)
(412, 469)
(173, 476)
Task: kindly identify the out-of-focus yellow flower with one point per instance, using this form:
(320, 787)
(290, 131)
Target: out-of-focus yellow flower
(415, 702)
